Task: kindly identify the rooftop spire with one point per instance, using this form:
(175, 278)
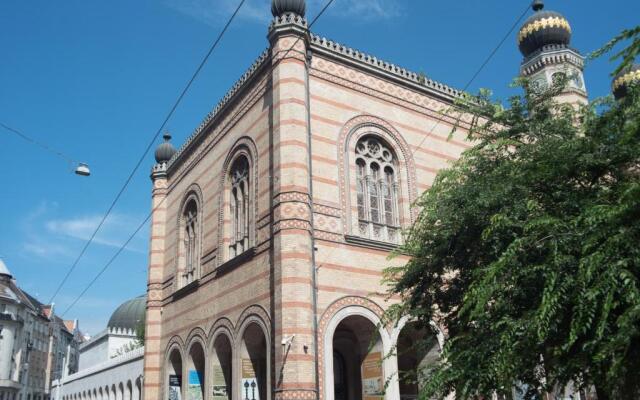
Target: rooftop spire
(538, 5)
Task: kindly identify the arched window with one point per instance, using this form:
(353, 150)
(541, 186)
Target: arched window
(190, 242)
(377, 190)
(239, 202)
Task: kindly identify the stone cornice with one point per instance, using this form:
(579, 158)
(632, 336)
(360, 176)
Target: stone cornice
(159, 170)
(383, 68)
(287, 23)
(550, 55)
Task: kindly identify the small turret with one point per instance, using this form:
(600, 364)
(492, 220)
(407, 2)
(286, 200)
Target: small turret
(544, 40)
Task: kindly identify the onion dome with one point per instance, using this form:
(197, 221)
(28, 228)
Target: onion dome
(543, 28)
(130, 315)
(280, 7)
(625, 78)
(165, 151)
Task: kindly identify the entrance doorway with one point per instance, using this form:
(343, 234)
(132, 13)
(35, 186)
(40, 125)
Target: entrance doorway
(357, 360)
(418, 351)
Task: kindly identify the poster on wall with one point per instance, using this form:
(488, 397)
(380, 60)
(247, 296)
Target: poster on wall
(372, 379)
(175, 382)
(219, 384)
(249, 381)
(194, 388)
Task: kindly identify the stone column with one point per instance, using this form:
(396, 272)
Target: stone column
(293, 337)
(153, 354)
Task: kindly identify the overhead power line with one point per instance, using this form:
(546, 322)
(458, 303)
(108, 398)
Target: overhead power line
(146, 151)
(483, 65)
(148, 217)
(38, 143)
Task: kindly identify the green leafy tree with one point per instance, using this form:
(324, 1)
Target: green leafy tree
(527, 251)
(140, 332)
(628, 54)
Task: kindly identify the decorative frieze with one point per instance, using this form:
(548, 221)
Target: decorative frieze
(319, 43)
(551, 55)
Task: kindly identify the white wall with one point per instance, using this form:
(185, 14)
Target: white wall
(94, 353)
(6, 348)
(116, 343)
(104, 346)
(125, 369)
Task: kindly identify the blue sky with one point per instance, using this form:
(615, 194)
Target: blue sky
(95, 79)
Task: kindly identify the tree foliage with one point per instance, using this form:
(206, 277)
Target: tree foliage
(527, 251)
(628, 54)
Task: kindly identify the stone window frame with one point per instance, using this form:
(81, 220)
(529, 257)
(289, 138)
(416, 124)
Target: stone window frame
(377, 189)
(193, 194)
(243, 147)
(351, 133)
(239, 206)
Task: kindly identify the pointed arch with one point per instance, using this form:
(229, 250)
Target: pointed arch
(238, 206)
(189, 237)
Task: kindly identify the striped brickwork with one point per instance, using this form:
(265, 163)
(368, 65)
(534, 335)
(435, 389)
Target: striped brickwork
(272, 285)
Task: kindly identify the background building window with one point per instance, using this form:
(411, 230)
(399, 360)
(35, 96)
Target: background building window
(239, 207)
(377, 190)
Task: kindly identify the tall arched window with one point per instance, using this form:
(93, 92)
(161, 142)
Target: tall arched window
(190, 242)
(377, 188)
(239, 207)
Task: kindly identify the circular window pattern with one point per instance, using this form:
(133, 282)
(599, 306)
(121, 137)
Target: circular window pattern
(558, 77)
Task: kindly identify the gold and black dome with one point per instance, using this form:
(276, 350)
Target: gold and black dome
(543, 28)
(625, 78)
(280, 7)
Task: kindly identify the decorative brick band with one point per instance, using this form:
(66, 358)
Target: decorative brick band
(296, 394)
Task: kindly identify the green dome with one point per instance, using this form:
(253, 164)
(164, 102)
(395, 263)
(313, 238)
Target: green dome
(130, 314)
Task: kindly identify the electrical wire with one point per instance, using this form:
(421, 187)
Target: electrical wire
(482, 66)
(38, 143)
(146, 151)
(148, 217)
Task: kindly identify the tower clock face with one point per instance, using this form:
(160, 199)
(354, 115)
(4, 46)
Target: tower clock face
(576, 80)
(539, 84)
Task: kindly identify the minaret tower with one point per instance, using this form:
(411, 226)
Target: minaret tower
(544, 41)
(152, 351)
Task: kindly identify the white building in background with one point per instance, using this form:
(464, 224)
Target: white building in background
(111, 363)
(36, 346)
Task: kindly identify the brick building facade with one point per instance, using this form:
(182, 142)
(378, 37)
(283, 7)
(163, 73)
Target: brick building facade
(273, 223)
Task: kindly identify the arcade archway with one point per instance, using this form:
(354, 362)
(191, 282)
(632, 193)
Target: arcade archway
(354, 349)
(221, 368)
(173, 377)
(253, 364)
(418, 351)
(195, 372)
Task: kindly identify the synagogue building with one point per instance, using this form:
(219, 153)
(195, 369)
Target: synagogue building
(273, 222)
